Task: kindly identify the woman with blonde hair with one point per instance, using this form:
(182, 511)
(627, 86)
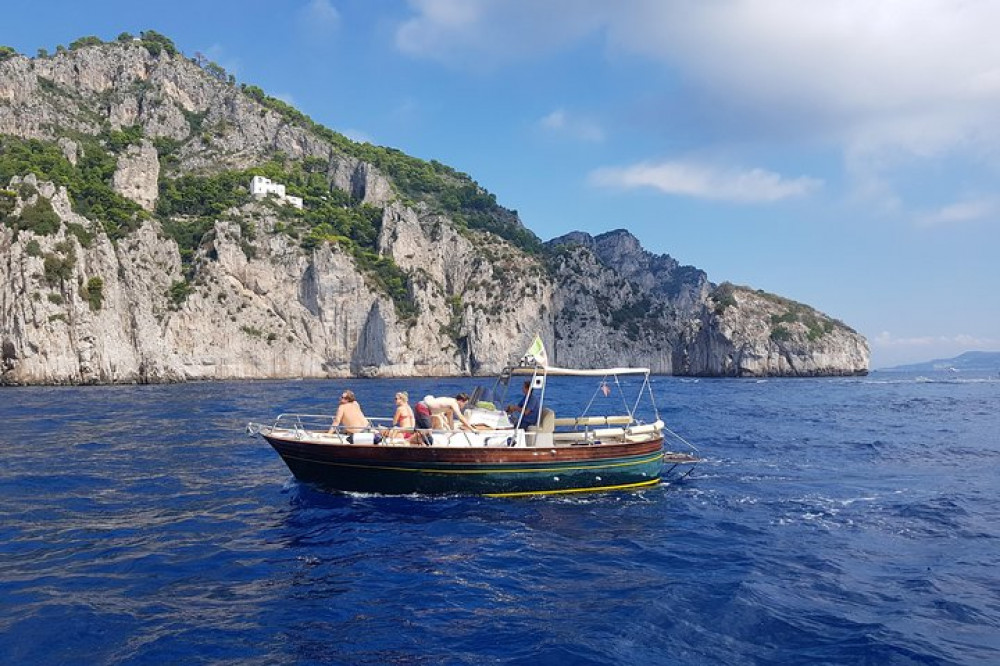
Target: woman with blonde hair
(403, 419)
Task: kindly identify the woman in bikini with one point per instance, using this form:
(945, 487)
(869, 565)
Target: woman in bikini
(403, 418)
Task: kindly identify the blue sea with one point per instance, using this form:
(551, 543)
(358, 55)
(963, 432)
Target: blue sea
(834, 521)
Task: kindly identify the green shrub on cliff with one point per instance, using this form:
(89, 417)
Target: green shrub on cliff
(19, 157)
(723, 296)
(444, 189)
(59, 268)
(88, 182)
(202, 196)
(93, 293)
(85, 41)
(780, 334)
(8, 201)
(178, 293)
(156, 43)
(119, 140)
(39, 218)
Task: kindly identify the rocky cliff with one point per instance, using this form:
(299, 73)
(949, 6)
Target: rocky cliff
(133, 252)
(652, 311)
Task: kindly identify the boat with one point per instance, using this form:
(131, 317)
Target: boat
(623, 449)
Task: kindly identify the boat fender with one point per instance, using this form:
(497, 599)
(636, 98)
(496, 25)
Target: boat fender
(364, 438)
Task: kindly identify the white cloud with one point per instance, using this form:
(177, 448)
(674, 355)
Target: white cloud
(889, 350)
(886, 82)
(319, 19)
(477, 33)
(960, 341)
(578, 128)
(958, 213)
(923, 59)
(918, 73)
(704, 182)
(322, 12)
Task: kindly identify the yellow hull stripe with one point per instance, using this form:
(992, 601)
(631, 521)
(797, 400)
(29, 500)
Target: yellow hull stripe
(644, 461)
(596, 489)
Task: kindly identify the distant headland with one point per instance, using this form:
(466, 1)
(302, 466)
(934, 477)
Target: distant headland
(970, 361)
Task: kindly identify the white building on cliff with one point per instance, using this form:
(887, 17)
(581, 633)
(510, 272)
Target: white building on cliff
(261, 187)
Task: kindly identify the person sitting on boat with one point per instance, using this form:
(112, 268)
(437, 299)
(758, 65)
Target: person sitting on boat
(529, 408)
(350, 418)
(440, 413)
(403, 419)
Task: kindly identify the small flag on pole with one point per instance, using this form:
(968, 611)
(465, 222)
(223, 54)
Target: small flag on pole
(536, 353)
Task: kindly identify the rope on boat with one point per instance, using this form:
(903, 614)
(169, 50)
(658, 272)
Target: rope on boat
(692, 446)
(621, 392)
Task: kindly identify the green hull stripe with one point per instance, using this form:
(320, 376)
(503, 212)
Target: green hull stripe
(522, 470)
(594, 489)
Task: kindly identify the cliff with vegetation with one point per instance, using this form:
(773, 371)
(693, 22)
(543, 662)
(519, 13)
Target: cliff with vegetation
(134, 252)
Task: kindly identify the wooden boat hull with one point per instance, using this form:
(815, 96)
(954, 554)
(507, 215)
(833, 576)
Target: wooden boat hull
(476, 470)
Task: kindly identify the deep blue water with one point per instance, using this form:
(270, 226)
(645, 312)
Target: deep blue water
(835, 521)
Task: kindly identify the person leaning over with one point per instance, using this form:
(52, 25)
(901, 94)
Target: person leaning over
(442, 411)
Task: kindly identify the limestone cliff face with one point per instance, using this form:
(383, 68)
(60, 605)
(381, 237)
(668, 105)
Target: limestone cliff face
(78, 305)
(259, 307)
(482, 297)
(617, 301)
(169, 97)
(51, 332)
(753, 334)
(605, 319)
(138, 174)
(686, 287)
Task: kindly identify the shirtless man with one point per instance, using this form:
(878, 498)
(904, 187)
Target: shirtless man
(443, 412)
(349, 415)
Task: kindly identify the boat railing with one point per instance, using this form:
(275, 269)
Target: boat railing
(578, 431)
(319, 427)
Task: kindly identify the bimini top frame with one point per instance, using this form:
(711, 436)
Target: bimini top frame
(539, 373)
(572, 372)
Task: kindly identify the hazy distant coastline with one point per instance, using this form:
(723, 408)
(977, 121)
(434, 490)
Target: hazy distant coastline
(971, 361)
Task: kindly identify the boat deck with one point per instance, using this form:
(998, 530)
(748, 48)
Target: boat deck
(574, 432)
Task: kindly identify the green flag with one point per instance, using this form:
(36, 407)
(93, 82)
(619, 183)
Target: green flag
(536, 352)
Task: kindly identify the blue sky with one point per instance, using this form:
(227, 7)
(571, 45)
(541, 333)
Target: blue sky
(842, 153)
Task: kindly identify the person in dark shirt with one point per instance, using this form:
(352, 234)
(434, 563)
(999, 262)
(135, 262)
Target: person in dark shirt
(529, 408)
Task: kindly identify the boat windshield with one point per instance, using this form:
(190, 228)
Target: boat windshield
(483, 398)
